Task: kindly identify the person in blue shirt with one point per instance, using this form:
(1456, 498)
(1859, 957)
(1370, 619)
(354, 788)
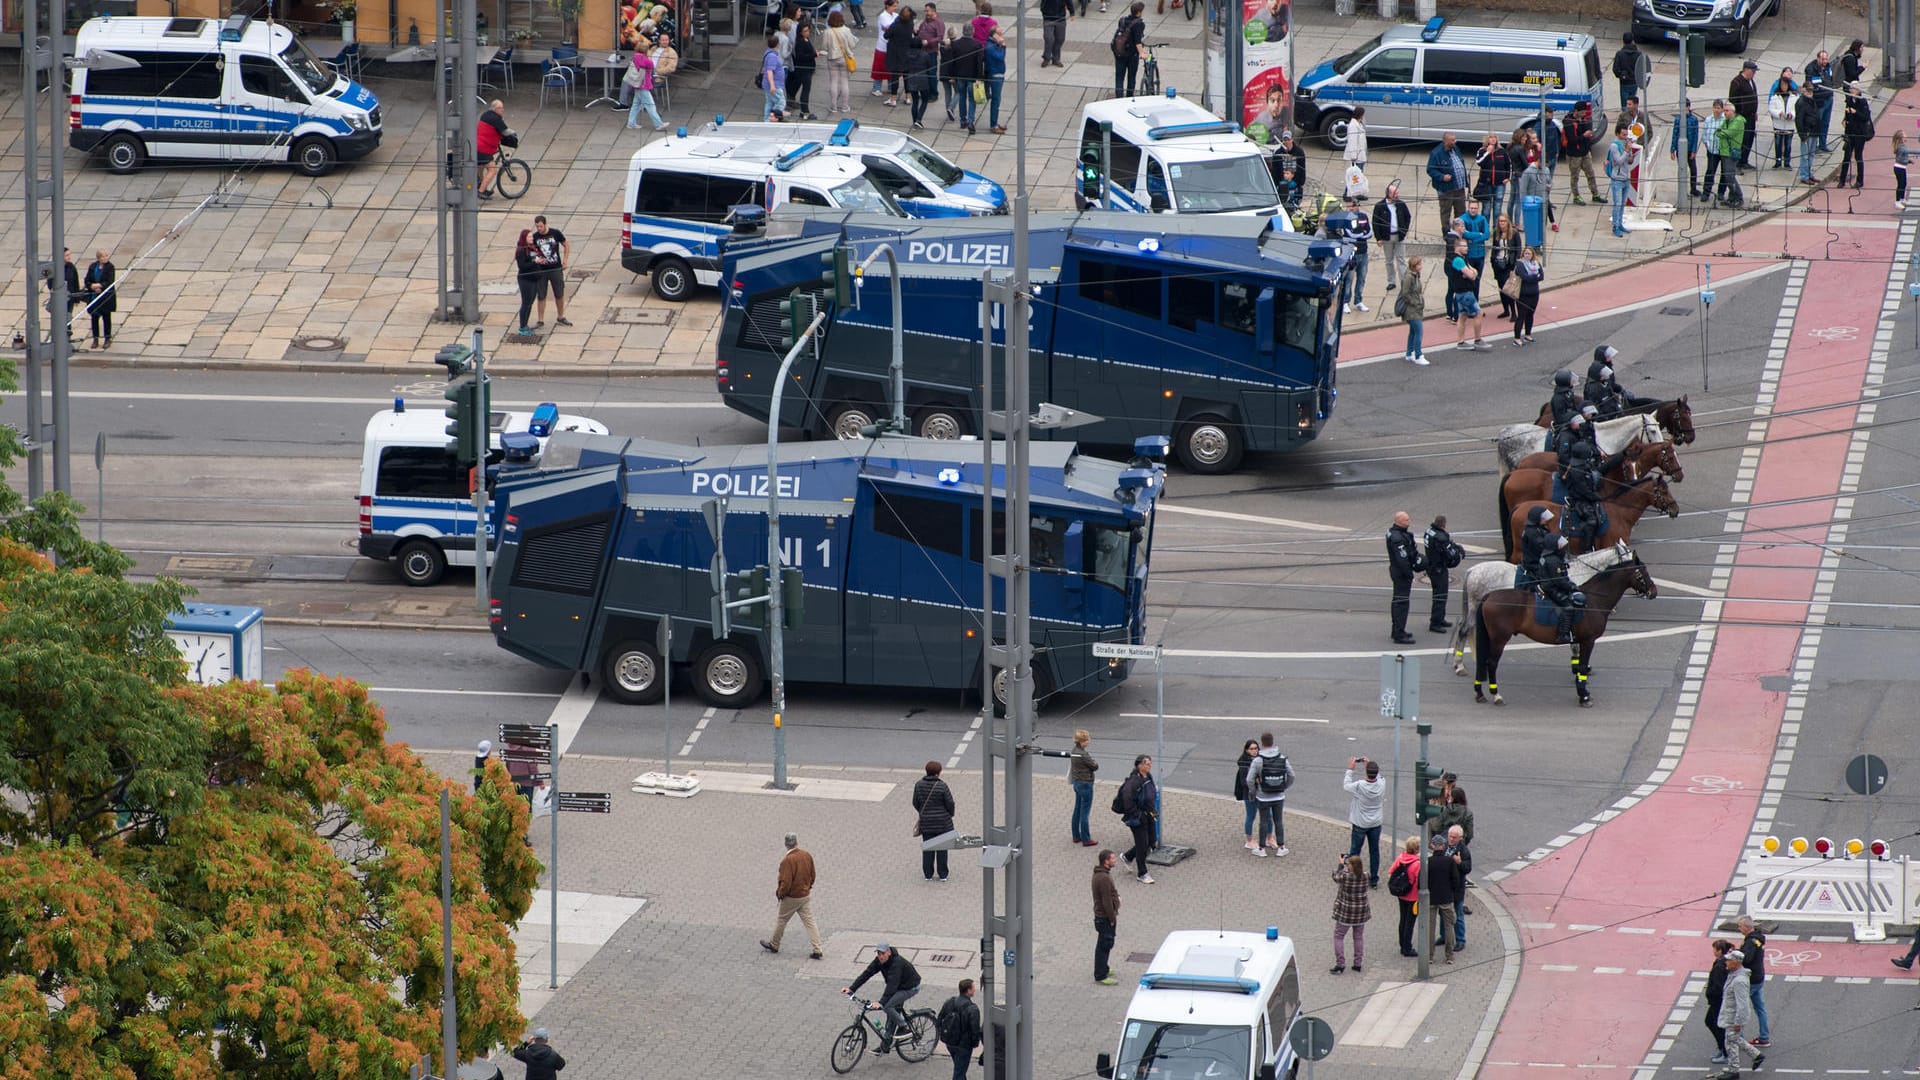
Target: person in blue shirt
(1475, 228)
(1447, 172)
(996, 72)
(1688, 128)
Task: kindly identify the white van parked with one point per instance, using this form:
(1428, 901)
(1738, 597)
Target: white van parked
(1420, 82)
(682, 191)
(1167, 155)
(923, 181)
(415, 506)
(206, 90)
(1215, 1004)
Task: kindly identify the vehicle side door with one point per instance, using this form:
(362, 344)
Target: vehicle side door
(1383, 83)
(190, 109)
(551, 576)
(264, 106)
(1456, 94)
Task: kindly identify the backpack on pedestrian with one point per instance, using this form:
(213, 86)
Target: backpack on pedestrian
(1119, 43)
(1399, 882)
(1120, 797)
(1276, 776)
(952, 1022)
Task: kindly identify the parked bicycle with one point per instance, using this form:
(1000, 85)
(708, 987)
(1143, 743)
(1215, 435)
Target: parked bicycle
(923, 1032)
(1150, 78)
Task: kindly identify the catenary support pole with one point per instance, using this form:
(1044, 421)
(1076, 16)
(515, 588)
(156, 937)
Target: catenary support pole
(553, 862)
(776, 635)
(482, 434)
(58, 81)
(993, 745)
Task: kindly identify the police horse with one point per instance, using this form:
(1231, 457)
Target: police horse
(1485, 578)
(1675, 416)
(1532, 481)
(1624, 508)
(1507, 613)
(1517, 441)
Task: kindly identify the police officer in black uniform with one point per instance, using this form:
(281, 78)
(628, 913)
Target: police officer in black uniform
(1603, 389)
(1557, 587)
(1566, 404)
(1584, 516)
(1535, 541)
(1403, 561)
(1442, 555)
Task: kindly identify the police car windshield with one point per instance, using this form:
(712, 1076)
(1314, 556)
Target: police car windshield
(1223, 185)
(307, 67)
(944, 172)
(1173, 1051)
(1345, 63)
(859, 193)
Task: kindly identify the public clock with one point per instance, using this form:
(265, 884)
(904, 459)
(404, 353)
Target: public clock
(218, 643)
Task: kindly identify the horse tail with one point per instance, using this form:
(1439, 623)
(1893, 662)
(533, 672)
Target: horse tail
(1506, 521)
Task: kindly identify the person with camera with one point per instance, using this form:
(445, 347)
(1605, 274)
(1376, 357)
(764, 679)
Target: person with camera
(543, 1062)
(1365, 815)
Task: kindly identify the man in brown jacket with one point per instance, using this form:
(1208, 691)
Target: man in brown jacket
(795, 893)
(1106, 916)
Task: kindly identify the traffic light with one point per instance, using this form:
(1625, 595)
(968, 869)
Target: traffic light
(456, 358)
(462, 394)
(793, 597)
(747, 585)
(836, 275)
(1696, 59)
(1090, 174)
(1426, 792)
(796, 311)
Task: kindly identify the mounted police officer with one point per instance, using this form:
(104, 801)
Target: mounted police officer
(1579, 432)
(1535, 541)
(1603, 389)
(1403, 561)
(1557, 587)
(1566, 405)
(1442, 555)
(1585, 518)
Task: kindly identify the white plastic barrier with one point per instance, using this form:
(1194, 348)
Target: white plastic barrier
(1866, 893)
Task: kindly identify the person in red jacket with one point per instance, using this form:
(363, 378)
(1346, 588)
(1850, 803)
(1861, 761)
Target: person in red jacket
(486, 144)
(1410, 859)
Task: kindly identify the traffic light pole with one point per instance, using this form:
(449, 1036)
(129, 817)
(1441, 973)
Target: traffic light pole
(898, 368)
(482, 427)
(1683, 194)
(776, 608)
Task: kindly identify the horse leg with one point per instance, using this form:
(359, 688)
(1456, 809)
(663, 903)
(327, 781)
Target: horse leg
(1494, 649)
(1479, 658)
(1582, 651)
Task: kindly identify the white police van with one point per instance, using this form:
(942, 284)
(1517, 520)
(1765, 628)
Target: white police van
(206, 90)
(414, 501)
(682, 192)
(1167, 155)
(1213, 1003)
(924, 182)
(1420, 82)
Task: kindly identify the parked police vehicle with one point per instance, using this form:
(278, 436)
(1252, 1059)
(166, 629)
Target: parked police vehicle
(682, 191)
(608, 538)
(1420, 82)
(1167, 155)
(1217, 331)
(1727, 24)
(1215, 1004)
(206, 90)
(922, 180)
(415, 503)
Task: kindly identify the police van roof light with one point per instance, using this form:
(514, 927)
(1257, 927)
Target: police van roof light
(1174, 980)
(796, 155)
(1204, 127)
(843, 132)
(545, 415)
(1273, 932)
(719, 119)
(399, 404)
(234, 28)
(1431, 32)
(519, 445)
(1172, 93)
(680, 132)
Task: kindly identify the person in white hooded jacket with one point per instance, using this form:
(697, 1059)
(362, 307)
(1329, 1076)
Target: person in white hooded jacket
(1365, 815)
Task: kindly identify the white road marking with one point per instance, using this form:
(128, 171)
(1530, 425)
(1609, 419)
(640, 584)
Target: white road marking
(1369, 654)
(698, 730)
(803, 787)
(1392, 1014)
(1239, 719)
(378, 402)
(966, 740)
(571, 711)
(1228, 515)
(1682, 587)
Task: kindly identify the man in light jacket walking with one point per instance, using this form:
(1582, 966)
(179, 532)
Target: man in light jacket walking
(1736, 1012)
(1365, 815)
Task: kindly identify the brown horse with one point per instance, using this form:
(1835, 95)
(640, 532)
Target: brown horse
(1532, 481)
(1674, 417)
(1509, 613)
(1624, 508)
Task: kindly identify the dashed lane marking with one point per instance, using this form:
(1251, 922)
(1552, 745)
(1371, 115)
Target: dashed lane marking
(699, 729)
(966, 740)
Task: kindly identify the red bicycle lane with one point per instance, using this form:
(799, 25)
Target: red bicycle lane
(1614, 920)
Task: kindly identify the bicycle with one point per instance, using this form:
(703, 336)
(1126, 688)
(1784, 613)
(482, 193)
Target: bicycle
(1150, 77)
(922, 1033)
(513, 177)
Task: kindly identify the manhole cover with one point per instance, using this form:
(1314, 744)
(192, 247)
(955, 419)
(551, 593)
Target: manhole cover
(209, 564)
(639, 317)
(1139, 958)
(1681, 311)
(319, 343)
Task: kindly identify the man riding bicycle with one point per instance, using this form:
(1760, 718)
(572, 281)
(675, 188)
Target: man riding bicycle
(901, 983)
(486, 144)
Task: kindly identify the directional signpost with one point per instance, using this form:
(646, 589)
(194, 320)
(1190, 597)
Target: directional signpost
(1399, 701)
(1866, 775)
(1163, 854)
(585, 802)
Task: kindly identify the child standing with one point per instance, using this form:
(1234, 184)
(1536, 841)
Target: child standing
(1902, 155)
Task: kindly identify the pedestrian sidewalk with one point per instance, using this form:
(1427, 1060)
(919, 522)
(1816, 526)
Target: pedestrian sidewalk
(683, 985)
(256, 266)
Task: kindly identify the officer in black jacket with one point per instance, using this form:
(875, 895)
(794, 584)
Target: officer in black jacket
(1557, 587)
(1403, 561)
(1566, 404)
(1535, 541)
(1442, 555)
(1584, 516)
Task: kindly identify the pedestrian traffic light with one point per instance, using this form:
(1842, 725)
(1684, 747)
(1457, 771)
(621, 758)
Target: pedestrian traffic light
(1696, 59)
(836, 275)
(456, 358)
(796, 312)
(793, 597)
(463, 414)
(1426, 792)
(748, 585)
(1090, 174)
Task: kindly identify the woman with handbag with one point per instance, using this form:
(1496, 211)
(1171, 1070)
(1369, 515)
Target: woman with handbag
(933, 805)
(1503, 252)
(1248, 752)
(639, 82)
(800, 72)
(1528, 272)
(1780, 111)
(837, 48)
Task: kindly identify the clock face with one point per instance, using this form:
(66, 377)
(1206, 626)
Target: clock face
(209, 657)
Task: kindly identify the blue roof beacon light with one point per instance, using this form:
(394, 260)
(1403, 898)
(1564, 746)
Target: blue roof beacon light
(796, 155)
(719, 119)
(1273, 933)
(399, 404)
(843, 132)
(680, 132)
(1172, 93)
(519, 446)
(234, 28)
(1431, 32)
(545, 415)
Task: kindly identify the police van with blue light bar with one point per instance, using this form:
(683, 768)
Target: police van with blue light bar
(416, 506)
(206, 90)
(1214, 1004)
(922, 180)
(1167, 155)
(682, 194)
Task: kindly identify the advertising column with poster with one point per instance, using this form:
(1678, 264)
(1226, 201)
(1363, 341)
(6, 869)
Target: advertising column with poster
(1249, 65)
